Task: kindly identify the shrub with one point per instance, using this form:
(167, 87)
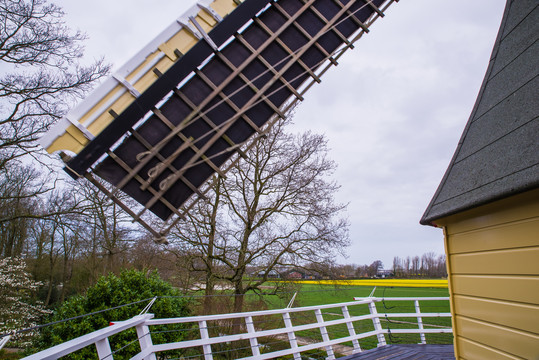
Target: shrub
(109, 292)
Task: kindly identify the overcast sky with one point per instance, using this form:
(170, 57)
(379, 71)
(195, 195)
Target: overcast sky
(393, 110)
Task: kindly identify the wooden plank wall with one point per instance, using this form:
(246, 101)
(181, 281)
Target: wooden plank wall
(493, 254)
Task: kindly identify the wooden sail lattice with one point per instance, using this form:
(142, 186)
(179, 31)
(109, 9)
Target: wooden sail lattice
(217, 99)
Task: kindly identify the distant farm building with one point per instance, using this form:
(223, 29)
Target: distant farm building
(384, 273)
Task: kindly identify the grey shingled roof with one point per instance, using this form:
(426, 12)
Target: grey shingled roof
(498, 153)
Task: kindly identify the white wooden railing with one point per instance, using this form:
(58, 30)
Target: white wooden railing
(248, 329)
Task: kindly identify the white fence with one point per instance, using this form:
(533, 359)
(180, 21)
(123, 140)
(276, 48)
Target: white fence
(254, 334)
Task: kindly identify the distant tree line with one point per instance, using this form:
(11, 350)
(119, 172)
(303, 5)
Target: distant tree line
(428, 265)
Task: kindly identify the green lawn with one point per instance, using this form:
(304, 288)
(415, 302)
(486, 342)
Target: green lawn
(316, 294)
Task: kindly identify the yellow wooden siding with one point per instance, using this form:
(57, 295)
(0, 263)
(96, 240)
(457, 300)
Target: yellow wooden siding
(510, 288)
(493, 266)
(511, 341)
(510, 314)
(521, 234)
(472, 350)
(450, 286)
(522, 261)
(512, 210)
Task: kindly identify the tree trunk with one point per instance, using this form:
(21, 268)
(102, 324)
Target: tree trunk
(208, 294)
(51, 271)
(210, 269)
(49, 293)
(239, 297)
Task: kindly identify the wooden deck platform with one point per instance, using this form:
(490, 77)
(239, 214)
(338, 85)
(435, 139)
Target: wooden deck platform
(406, 352)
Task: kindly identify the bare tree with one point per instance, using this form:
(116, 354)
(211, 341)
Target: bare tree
(59, 234)
(415, 266)
(107, 226)
(398, 267)
(374, 267)
(39, 78)
(145, 254)
(18, 204)
(274, 209)
(42, 75)
(407, 266)
(428, 264)
(199, 246)
(362, 271)
(70, 233)
(441, 266)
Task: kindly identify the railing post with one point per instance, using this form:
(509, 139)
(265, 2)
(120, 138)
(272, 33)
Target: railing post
(145, 340)
(103, 349)
(325, 335)
(351, 329)
(254, 340)
(420, 322)
(377, 324)
(291, 335)
(205, 335)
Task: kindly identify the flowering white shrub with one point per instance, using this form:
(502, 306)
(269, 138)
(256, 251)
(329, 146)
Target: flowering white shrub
(18, 307)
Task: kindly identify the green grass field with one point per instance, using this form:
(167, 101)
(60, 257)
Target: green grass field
(317, 294)
(313, 293)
